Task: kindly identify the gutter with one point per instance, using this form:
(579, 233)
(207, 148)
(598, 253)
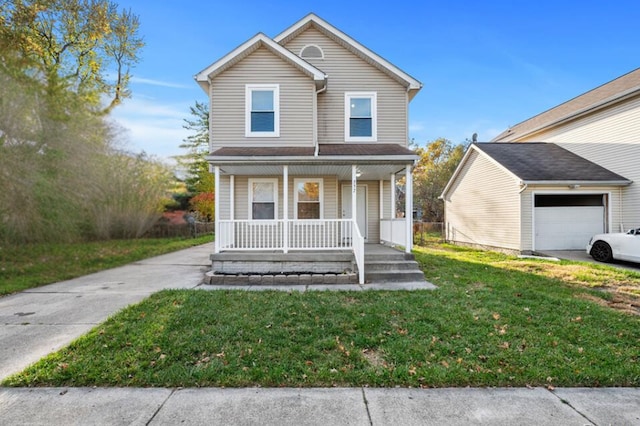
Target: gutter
(329, 159)
(578, 182)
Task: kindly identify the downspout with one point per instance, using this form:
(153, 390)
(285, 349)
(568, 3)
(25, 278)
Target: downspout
(315, 124)
(524, 187)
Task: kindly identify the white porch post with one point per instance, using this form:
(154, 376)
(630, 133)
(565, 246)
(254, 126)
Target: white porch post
(354, 191)
(392, 206)
(285, 208)
(216, 208)
(232, 197)
(408, 209)
(381, 192)
(393, 197)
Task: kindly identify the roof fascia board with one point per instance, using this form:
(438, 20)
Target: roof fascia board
(579, 182)
(203, 76)
(359, 159)
(412, 83)
(612, 100)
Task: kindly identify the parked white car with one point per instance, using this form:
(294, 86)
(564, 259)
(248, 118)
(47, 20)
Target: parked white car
(619, 246)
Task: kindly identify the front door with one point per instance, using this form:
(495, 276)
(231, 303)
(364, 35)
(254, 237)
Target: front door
(361, 207)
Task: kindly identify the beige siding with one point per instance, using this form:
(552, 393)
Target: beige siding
(483, 206)
(613, 211)
(373, 207)
(347, 73)
(297, 92)
(610, 138)
(224, 191)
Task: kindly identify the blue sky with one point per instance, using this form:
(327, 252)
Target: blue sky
(484, 65)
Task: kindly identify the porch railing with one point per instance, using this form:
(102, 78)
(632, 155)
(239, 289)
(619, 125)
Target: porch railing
(285, 235)
(393, 231)
(358, 252)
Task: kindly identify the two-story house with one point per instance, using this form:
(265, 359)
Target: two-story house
(308, 134)
(553, 180)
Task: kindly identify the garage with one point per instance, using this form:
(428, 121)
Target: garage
(568, 221)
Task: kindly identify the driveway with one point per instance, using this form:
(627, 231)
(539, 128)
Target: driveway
(582, 256)
(42, 320)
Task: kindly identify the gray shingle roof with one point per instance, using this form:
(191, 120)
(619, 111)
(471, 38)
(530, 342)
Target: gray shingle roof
(338, 149)
(540, 161)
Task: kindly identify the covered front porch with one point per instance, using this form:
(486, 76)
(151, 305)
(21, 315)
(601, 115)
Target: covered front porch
(299, 204)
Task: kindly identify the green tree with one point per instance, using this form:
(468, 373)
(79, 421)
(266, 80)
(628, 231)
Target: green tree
(199, 180)
(438, 161)
(57, 148)
(72, 46)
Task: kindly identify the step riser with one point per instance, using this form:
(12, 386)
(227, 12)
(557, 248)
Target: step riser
(394, 276)
(399, 266)
(383, 258)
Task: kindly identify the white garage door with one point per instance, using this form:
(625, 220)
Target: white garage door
(568, 226)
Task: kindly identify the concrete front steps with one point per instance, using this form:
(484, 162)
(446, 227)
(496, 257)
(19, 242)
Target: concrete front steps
(391, 267)
(383, 265)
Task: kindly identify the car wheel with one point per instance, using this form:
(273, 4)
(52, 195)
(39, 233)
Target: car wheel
(601, 251)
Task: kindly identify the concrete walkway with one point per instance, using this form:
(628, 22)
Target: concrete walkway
(339, 406)
(42, 320)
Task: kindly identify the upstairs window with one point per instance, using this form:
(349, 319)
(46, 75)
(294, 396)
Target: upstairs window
(262, 110)
(360, 116)
(308, 198)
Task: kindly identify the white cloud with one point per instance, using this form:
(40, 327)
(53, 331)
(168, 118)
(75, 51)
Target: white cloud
(153, 127)
(152, 82)
(417, 126)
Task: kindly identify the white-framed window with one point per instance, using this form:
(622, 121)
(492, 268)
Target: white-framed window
(307, 198)
(263, 198)
(262, 110)
(360, 116)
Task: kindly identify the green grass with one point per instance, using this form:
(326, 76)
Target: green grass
(494, 321)
(33, 265)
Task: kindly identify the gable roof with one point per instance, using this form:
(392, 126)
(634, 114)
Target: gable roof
(412, 85)
(541, 163)
(547, 162)
(609, 93)
(250, 46)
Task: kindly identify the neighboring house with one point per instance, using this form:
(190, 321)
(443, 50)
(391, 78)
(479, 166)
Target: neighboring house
(308, 131)
(527, 197)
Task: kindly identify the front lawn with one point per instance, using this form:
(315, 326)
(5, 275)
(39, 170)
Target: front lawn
(495, 320)
(34, 265)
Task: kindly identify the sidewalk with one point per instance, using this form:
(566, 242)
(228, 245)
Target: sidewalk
(340, 406)
(42, 320)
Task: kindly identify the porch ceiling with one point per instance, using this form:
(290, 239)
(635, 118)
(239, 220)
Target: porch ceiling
(342, 171)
